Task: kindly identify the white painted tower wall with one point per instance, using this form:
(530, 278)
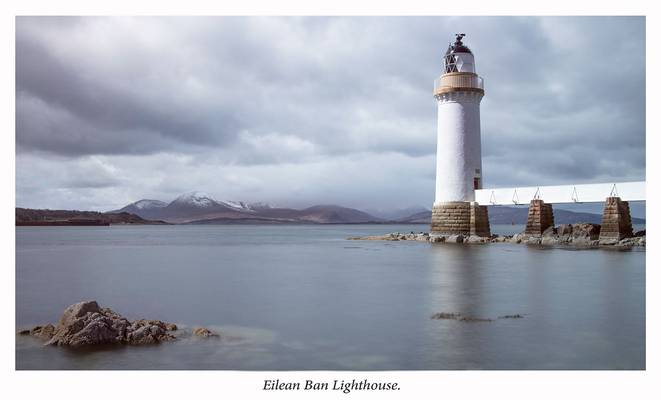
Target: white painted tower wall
(459, 149)
(458, 153)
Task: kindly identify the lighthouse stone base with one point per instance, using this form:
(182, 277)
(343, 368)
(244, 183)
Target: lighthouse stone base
(466, 218)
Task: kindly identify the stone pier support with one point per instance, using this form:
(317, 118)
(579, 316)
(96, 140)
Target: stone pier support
(480, 220)
(460, 218)
(616, 220)
(540, 217)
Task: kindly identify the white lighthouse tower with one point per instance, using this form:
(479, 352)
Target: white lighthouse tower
(458, 93)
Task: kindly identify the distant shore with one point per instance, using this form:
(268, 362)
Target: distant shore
(32, 217)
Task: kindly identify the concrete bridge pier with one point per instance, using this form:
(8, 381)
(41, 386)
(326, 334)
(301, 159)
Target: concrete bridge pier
(616, 220)
(540, 217)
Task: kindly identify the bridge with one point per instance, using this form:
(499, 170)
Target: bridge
(586, 193)
(616, 218)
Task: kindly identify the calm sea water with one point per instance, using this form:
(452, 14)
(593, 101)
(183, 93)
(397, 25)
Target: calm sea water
(303, 297)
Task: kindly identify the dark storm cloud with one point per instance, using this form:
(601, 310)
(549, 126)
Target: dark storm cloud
(565, 100)
(89, 113)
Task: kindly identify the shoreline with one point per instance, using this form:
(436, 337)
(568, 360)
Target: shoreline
(548, 239)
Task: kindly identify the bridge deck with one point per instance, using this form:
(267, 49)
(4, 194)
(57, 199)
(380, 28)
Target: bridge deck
(587, 193)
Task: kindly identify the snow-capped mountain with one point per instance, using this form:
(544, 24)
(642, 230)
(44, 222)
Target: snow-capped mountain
(237, 205)
(146, 208)
(195, 205)
(204, 201)
(195, 199)
(261, 206)
(187, 207)
(147, 204)
(247, 207)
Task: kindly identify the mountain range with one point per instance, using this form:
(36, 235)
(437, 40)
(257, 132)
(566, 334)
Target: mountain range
(200, 208)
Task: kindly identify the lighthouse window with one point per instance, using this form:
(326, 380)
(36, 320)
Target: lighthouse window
(451, 63)
(477, 170)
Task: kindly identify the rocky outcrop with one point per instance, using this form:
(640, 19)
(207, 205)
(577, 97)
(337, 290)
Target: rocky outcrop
(586, 235)
(85, 324)
(421, 237)
(41, 332)
(580, 234)
(426, 237)
(577, 235)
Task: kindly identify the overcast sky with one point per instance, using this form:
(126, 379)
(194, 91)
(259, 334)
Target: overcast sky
(303, 111)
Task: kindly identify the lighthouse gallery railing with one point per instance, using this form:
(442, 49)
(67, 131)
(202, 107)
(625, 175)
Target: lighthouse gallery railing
(458, 80)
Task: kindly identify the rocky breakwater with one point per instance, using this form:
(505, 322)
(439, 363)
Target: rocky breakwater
(577, 235)
(426, 237)
(87, 324)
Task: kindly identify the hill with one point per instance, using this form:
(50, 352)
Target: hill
(33, 217)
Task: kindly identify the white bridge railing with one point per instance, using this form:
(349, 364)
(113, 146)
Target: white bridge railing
(587, 193)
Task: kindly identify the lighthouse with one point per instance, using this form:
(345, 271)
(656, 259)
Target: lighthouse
(458, 93)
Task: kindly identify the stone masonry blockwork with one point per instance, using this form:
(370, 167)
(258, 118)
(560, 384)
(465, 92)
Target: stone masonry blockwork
(616, 220)
(460, 217)
(540, 217)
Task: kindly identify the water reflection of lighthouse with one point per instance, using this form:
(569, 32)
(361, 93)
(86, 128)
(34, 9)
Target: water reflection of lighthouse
(459, 156)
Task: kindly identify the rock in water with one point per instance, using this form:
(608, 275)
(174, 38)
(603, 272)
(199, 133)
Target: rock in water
(586, 231)
(455, 239)
(564, 230)
(550, 231)
(445, 315)
(204, 332)
(477, 239)
(148, 332)
(512, 316)
(437, 239)
(42, 332)
(459, 317)
(86, 323)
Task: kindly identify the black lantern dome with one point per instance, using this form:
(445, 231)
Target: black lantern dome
(458, 46)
